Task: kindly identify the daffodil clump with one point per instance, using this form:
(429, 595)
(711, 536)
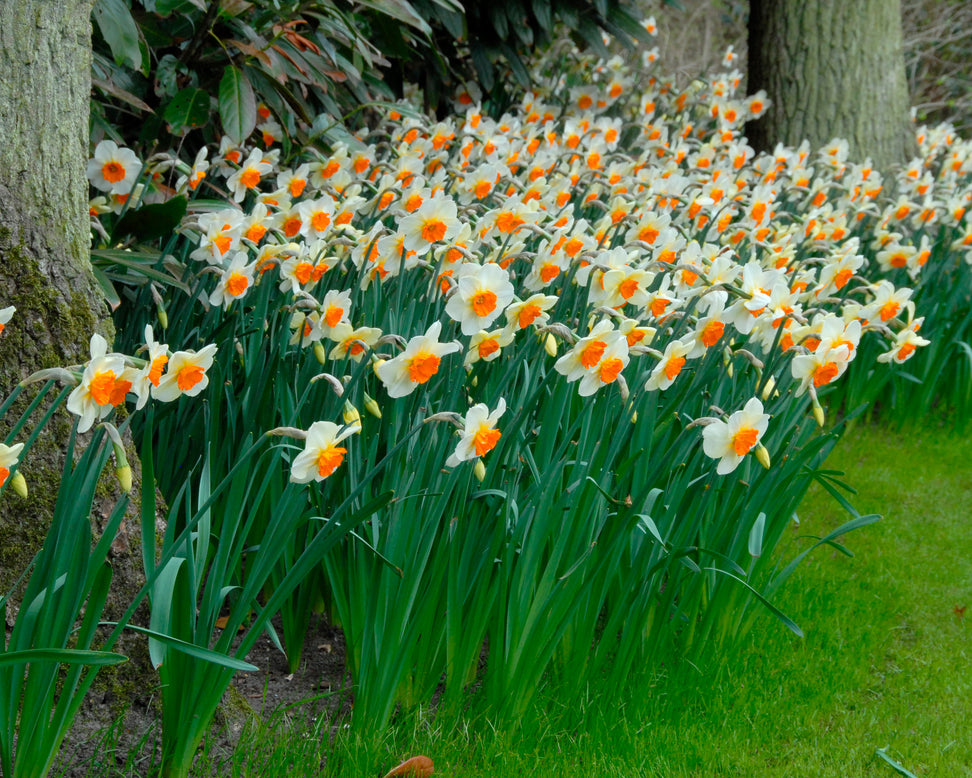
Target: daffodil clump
(622, 316)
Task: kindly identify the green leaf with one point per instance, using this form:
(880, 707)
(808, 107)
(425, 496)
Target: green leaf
(756, 535)
(149, 222)
(237, 104)
(68, 656)
(119, 30)
(198, 652)
(896, 766)
(789, 623)
(541, 10)
(188, 110)
(111, 294)
(401, 10)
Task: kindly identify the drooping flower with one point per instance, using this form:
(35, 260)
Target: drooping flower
(321, 455)
(729, 441)
(479, 435)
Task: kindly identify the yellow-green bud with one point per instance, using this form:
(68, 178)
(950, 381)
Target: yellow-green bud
(124, 475)
(371, 406)
(19, 484)
(163, 319)
(762, 455)
(319, 352)
(769, 387)
(479, 470)
(350, 415)
(818, 412)
(376, 363)
(550, 344)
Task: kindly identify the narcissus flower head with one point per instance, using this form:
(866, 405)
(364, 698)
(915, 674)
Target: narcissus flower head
(416, 364)
(729, 441)
(321, 455)
(9, 456)
(113, 169)
(479, 435)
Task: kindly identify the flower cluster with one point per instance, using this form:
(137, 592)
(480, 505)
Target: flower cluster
(632, 229)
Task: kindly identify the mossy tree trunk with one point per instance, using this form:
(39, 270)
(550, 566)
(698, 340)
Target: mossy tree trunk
(45, 65)
(833, 69)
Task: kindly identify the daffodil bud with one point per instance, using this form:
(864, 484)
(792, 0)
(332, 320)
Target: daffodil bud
(818, 411)
(634, 417)
(623, 388)
(762, 456)
(550, 345)
(818, 414)
(123, 472)
(376, 363)
(124, 475)
(319, 352)
(163, 318)
(350, 415)
(19, 484)
(769, 387)
(479, 470)
(474, 381)
(371, 406)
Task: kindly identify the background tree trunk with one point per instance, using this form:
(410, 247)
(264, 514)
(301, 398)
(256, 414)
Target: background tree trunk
(833, 68)
(45, 66)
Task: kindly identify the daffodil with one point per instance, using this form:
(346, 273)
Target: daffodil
(9, 456)
(102, 386)
(729, 441)
(321, 455)
(416, 364)
(5, 315)
(479, 434)
(235, 280)
(483, 292)
(113, 169)
(185, 374)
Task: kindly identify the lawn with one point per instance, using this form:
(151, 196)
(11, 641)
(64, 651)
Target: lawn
(884, 664)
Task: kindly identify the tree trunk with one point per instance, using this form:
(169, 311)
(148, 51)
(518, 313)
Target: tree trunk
(833, 69)
(45, 66)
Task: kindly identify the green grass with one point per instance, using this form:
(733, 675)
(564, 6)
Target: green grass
(884, 664)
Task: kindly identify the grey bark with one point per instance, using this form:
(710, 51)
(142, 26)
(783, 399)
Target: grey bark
(833, 69)
(45, 64)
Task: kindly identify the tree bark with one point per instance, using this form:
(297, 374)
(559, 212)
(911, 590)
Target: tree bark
(45, 66)
(832, 69)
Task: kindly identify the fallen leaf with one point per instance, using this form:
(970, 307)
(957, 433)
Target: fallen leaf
(416, 767)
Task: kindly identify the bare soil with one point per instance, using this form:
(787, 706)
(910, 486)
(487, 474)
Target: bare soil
(121, 737)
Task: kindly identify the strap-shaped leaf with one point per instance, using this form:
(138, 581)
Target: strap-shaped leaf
(68, 656)
(197, 651)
